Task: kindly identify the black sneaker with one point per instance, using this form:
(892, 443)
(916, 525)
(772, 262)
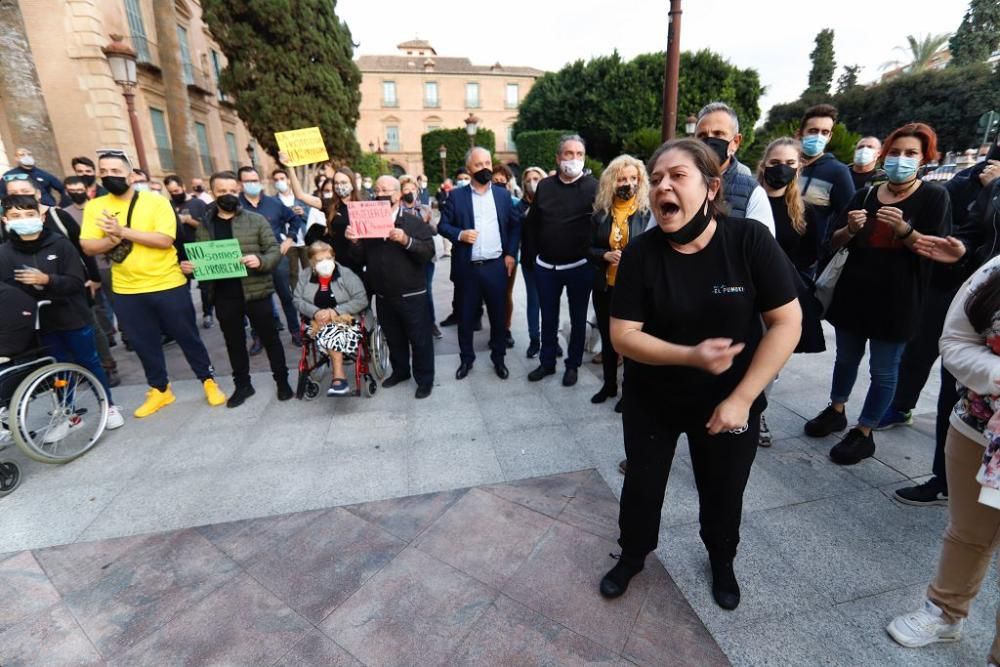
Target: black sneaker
(854, 448)
(929, 493)
(764, 437)
(826, 422)
(533, 348)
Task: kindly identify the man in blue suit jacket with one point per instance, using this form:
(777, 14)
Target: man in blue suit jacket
(485, 228)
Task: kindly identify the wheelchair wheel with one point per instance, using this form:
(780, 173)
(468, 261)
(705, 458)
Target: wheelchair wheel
(368, 385)
(10, 477)
(58, 412)
(311, 390)
(379, 352)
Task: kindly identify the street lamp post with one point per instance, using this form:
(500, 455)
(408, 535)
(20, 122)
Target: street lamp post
(252, 153)
(471, 127)
(121, 59)
(690, 125)
(443, 154)
(672, 72)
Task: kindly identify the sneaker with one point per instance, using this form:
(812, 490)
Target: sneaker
(924, 626)
(256, 347)
(155, 399)
(207, 322)
(62, 429)
(764, 437)
(436, 332)
(923, 495)
(893, 418)
(854, 448)
(115, 419)
(213, 394)
(826, 423)
(338, 388)
(534, 345)
(114, 379)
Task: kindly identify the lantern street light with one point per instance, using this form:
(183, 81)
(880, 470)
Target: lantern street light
(443, 154)
(371, 146)
(691, 124)
(385, 146)
(252, 152)
(121, 59)
(471, 127)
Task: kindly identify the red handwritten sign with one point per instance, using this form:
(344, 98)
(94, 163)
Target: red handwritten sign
(371, 219)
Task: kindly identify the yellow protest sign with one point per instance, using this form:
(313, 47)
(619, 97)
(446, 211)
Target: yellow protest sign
(302, 146)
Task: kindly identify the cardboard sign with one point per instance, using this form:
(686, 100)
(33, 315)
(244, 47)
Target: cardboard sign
(214, 260)
(371, 219)
(302, 146)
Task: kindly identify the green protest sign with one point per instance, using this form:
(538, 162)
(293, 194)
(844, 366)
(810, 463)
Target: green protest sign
(216, 259)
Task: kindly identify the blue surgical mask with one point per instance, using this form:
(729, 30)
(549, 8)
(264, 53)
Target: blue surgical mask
(901, 169)
(813, 144)
(25, 226)
(252, 189)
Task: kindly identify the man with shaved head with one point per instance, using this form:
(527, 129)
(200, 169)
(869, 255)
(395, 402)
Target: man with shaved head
(395, 275)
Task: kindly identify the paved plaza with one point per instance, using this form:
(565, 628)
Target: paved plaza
(468, 528)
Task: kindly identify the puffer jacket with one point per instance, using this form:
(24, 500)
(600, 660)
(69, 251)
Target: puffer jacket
(254, 233)
(53, 254)
(346, 288)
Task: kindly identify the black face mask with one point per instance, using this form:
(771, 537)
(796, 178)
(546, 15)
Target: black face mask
(116, 185)
(179, 198)
(719, 146)
(483, 176)
(387, 198)
(228, 203)
(409, 197)
(78, 197)
(693, 229)
(88, 180)
(625, 192)
(199, 188)
(778, 176)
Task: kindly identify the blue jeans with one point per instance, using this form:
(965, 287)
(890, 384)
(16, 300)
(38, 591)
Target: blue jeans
(531, 292)
(884, 367)
(78, 347)
(577, 283)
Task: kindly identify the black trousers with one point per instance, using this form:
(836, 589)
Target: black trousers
(609, 357)
(721, 469)
(407, 324)
(230, 312)
(483, 281)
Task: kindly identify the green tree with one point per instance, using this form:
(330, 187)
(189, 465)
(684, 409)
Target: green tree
(978, 35)
(456, 142)
(607, 99)
(920, 52)
(277, 87)
(841, 145)
(823, 64)
(371, 165)
(849, 79)
(642, 143)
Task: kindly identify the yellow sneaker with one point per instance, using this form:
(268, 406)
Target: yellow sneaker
(155, 399)
(213, 393)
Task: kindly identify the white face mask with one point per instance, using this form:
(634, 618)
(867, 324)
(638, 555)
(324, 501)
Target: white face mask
(28, 161)
(324, 267)
(571, 168)
(281, 186)
(864, 155)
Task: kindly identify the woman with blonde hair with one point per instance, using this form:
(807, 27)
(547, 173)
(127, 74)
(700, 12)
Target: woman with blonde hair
(621, 213)
(778, 174)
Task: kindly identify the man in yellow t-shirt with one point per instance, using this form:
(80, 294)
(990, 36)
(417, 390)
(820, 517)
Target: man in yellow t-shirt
(151, 297)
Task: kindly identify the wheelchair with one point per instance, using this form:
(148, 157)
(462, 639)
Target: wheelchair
(54, 412)
(369, 361)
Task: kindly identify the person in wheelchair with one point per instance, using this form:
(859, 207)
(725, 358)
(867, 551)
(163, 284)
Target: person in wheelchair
(46, 266)
(331, 297)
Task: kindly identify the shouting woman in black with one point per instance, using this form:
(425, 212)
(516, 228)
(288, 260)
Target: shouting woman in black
(686, 315)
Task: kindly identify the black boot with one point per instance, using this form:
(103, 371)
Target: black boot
(725, 588)
(615, 582)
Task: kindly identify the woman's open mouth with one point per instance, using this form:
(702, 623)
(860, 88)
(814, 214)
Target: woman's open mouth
(669, 208)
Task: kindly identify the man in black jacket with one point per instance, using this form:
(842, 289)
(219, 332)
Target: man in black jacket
(394, 273)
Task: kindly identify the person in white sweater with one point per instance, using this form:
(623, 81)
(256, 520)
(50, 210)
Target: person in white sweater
(970, 350)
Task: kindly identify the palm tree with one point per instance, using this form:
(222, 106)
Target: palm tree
(921, 52)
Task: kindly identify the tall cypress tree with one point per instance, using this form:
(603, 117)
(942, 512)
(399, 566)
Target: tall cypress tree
(978, 35)
(289, 68)
(823, 65)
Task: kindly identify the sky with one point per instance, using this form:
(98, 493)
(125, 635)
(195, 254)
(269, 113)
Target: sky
(775, 37)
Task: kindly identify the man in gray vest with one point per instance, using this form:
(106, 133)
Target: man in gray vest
(719, 127)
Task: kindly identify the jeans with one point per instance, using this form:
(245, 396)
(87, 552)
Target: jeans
(487, 282)
(144, 318)
(532, 310)
(231, 312)
(511, 280)
(551, 282)
(281, 277)
(405, 323)
(884, 368)
(79, 347)
(105, 311)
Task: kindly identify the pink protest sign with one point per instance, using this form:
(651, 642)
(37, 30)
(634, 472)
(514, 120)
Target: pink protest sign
(371, 219)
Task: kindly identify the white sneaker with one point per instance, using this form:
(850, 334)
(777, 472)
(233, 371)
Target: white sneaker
(115, 419)
(924, 626)
(61, 430)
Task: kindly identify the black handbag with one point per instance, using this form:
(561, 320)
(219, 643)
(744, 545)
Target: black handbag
(124, 248)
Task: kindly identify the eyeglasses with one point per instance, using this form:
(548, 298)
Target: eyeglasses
(15, 177)
(111, 152)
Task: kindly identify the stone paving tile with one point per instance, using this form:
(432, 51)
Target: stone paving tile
(594, 508)
(547, 495)
(414, 612)
(24, 588)
(452, 462)
(122, 590)
(47, 637)
(409, 516)
(239, 624)
(511, 634)
(543, 450)
(317, 649)
(491, 555)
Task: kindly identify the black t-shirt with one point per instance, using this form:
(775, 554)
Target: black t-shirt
(883, 282)
(194, 207)
(863, 180)
(718, 292)
(225, 288)
(802, 249)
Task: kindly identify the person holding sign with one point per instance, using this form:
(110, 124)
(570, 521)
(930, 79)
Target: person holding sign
(394, 256)
(247, 297)
(485, 228)
(151, 296)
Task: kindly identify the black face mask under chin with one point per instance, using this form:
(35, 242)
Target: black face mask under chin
(693, 229)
